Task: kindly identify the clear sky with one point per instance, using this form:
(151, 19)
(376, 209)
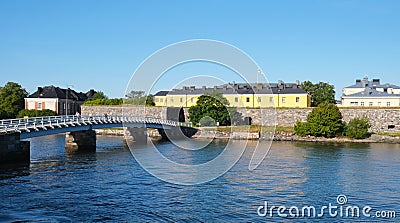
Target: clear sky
(99, 44)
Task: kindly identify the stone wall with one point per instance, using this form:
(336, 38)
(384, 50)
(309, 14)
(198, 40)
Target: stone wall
(380, 118)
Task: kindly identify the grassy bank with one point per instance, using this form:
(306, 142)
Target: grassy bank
(251, 128)
(391, 134)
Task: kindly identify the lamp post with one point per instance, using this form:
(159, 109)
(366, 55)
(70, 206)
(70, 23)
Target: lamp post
(66, 100)
(279, 90)
(258, 73)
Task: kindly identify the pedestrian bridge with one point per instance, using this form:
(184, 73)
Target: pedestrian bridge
(80, 134)
(41, 126)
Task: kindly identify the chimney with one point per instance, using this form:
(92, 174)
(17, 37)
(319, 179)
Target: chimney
(204, 88)
(376, 82)
(297, 82)
(40, 91)
(365, 81)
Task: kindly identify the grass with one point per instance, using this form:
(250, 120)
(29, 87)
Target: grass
(251, 128)
(391, 134)
(112, 128)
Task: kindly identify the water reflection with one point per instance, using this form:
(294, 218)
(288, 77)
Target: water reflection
(110, 185)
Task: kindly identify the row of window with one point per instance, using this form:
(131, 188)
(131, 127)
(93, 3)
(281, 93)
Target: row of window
(355, 103)
(271, 99)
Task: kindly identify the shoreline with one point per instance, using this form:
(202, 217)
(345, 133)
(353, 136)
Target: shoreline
(278, 136)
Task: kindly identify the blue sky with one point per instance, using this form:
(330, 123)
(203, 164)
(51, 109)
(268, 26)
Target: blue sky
(99, 44)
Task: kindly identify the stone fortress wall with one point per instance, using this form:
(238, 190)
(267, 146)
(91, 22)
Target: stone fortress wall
(381, 119)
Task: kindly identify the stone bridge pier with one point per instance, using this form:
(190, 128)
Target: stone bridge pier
(177, 133)
(13, 150)
(139, 135)
(81, 140)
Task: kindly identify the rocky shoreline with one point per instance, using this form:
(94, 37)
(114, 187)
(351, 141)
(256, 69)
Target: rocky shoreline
(278, 136)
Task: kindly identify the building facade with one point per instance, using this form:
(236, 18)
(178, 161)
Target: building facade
(62, 101)
(240, 95)
(365, 93)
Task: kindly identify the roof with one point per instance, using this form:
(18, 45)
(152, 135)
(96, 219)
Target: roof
(239, 88)
(371, 92)
(161, 93)
(61, 93)
(375, 83)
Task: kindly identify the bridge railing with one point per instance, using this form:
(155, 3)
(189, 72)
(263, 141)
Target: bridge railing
(34, 123)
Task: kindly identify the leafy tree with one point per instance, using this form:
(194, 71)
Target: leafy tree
(137, 98)
(3, 114)
(324, 120)
(12, 99)
(135, 94)
(150, 100)
(99, 95)
(212, 108)
(320, 92)
(357, 128)
(36, 113)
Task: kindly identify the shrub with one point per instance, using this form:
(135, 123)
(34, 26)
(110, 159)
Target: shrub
(357, 128)
(104, 101)
(36, 113)
(302, 128)
(324, 120)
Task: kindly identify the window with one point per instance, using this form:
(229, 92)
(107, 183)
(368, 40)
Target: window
(259, 99)
(156, 99)
(354, 103)
(362, 103)
(161, 100)
(172, 100)
(236, 99)
(284, 100)
(39, 106)
(271, 99)
(247, 99)
(379, 103)
(192, 99)
(371, 103)
(297, 99)
(388, 103)
(180, 99)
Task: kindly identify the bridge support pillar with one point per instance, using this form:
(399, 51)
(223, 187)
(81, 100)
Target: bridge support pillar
(139, 134)
(177, 133)
(14, 151)
(81, 140)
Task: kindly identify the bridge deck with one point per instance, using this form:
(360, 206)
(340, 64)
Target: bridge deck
(39, 126)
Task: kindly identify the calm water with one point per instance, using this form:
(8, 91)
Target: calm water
(110, 186)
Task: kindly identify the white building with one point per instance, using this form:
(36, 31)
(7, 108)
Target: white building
(62, 101)
(367, 93)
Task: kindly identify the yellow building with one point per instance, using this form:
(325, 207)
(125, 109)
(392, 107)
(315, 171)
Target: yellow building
(240, 95)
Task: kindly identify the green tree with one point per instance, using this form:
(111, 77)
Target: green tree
(150, 100)
(357, 128)
(12, 99)
(136, 98)
(324, 120)
(320, 92)
(99, 95)
(212, 108)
